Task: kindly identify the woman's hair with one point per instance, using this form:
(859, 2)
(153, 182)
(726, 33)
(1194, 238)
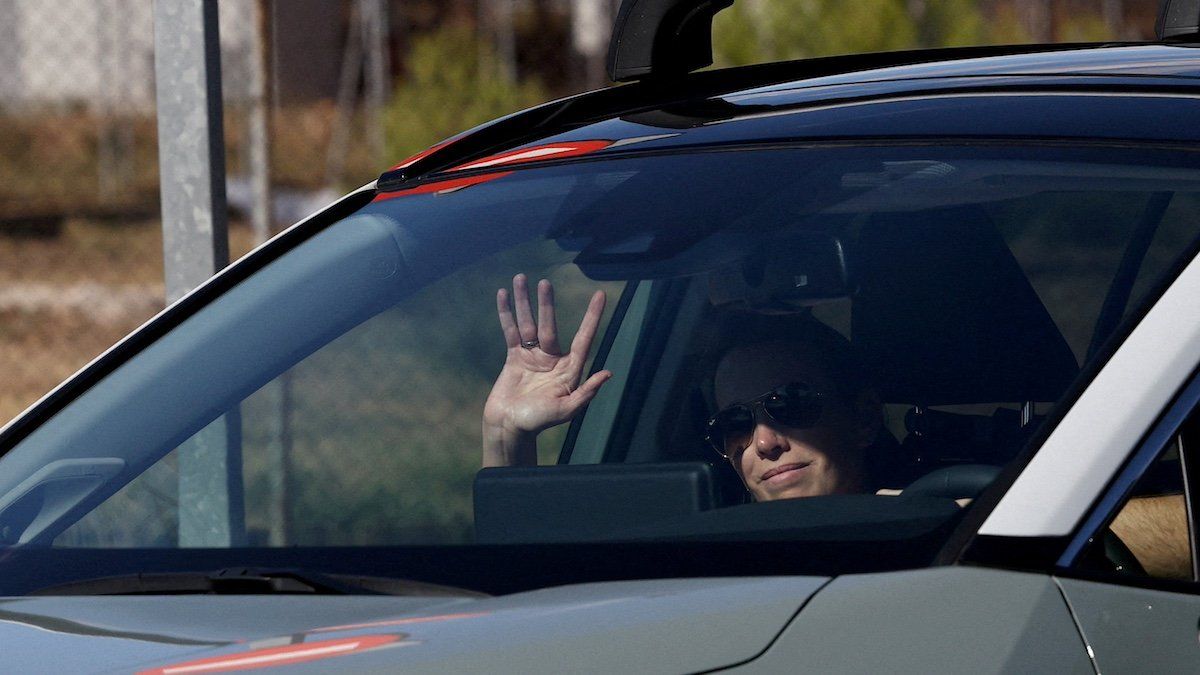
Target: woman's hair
(802, 334)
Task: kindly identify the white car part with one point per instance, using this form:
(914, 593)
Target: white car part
(1108, 420)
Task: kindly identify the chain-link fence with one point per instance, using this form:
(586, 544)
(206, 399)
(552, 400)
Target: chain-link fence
(76, 109)
(77, 96)
(77, 101)
(80, 241)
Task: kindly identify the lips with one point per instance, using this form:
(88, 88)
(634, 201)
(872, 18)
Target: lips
(783, 468)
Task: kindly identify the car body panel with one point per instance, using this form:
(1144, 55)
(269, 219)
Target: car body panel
(949, 620)
(1130, 629)
(668, 625)
(1130, 60)
(714, 95)
(129, 632)
(959, 110)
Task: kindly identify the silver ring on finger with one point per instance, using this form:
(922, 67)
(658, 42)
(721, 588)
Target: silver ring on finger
(529, 344)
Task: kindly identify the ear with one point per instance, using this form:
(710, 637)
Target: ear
(868, 417)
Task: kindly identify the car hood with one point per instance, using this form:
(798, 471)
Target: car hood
(674, 624)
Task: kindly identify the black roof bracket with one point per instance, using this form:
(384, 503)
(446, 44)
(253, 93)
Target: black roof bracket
(1177, 19)
(661, 38)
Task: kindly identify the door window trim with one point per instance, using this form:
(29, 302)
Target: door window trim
(1169, 425)
(1089, 444)
(598, 418)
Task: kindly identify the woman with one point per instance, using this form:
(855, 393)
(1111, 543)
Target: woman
(796, 419)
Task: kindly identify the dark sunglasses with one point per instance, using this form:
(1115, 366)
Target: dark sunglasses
(794, 404)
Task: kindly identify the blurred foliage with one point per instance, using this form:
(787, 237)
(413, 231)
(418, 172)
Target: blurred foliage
(55, 160)
(778, 30)
(758, 31)
(1085, 28)
(453, 82)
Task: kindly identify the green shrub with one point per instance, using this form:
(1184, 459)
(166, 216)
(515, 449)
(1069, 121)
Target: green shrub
(757, 31)
(453, 82)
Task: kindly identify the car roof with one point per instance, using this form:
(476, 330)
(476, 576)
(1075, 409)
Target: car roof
(1136, 60)
(1135, 92)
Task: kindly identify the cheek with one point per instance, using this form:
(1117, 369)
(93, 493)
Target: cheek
(744, 463)
(748, 464)
(818, 440)
(836, 430)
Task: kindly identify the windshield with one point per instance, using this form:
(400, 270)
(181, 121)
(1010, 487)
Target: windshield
(829, 347)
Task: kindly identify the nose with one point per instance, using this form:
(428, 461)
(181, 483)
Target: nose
(767, 441)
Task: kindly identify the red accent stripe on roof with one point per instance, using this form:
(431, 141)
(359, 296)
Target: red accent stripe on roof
(445, 185)
(536, 153)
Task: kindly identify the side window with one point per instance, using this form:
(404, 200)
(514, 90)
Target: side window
(1149, 535)
(373, 439)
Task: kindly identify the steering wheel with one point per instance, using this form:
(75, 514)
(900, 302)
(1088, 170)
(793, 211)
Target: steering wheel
(962, 481)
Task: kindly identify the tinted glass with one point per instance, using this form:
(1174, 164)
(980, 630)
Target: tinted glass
(935, 304)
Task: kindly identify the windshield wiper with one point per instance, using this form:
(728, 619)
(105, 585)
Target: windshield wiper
(251, 581)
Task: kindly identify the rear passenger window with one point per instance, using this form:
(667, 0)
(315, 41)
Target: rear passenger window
(1149, 535)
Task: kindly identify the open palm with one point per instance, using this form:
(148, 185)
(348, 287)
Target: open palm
(539, 386)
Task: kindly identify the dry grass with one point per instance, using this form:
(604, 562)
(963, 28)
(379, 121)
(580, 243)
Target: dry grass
(38, 349)
(65, 299)
(54, 161)
(51, 161)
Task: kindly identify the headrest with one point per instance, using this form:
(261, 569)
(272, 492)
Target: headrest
(944, 314)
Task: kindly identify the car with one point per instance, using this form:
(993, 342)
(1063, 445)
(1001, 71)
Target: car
(996, 246)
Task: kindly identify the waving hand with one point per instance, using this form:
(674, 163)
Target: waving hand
(539, 386)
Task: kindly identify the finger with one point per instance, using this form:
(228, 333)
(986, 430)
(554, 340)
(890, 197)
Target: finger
(587, 328)
(508, 325)
(525, 325)
(547, 325)
(588, 390)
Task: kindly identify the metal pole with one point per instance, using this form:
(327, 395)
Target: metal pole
(1038, 16)
(590, 27)
(279, 462)
(105, 111)
(260, 134)
(352, 66)
(507, 39)
(377, 75)
(278, 448)
(1114, 16)
(191, 142)
(191, 151)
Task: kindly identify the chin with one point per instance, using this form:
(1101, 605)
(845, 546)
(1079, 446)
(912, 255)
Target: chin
(791, 492)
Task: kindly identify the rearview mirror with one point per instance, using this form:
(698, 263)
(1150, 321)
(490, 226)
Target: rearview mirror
(785, 275)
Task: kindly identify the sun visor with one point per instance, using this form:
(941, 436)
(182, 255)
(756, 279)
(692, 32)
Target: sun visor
(781, 274)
